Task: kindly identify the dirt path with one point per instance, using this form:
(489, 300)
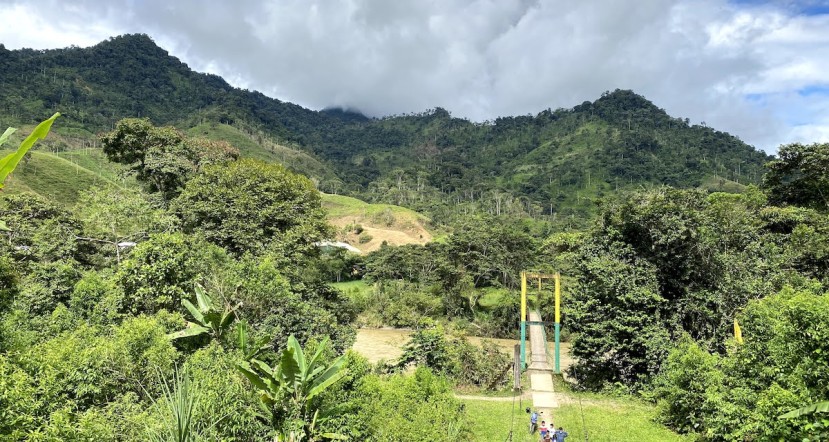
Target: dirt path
(465, 397)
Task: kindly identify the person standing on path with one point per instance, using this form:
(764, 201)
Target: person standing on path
(543, 429)
(560, 434)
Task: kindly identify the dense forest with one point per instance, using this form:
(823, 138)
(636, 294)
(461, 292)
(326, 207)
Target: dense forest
(184, 294)
(553, 164)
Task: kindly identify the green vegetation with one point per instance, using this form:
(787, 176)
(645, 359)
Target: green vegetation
(799, 177)
(485, 367)
(603, 419)
(339, 206)
(9, 162)
(55, 178)
(357, 291)
(258, 145)
(251, 206)
(180, 284)
(86, 322)
(779, 367)
(288, 389)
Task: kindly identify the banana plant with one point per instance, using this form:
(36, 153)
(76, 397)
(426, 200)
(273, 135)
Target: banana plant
(250, 349)
(210, 317)
(9, 162)
(293, 383)
(819, 407)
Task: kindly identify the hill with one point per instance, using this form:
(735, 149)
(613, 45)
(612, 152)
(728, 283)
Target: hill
(59, 178)
(551, 165)
(367, 226)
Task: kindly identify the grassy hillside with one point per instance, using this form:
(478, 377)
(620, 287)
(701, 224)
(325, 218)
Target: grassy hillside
(62, 176)
(259, 145)
(366, 226)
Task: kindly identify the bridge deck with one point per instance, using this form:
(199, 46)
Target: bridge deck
(540, 371)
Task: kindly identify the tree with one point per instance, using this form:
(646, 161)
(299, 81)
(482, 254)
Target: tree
(251, 206)
(800, 176)
(160, 271)
(112, 216)
(490, 251)
(133, 138)
(162, 157)
(739, 395)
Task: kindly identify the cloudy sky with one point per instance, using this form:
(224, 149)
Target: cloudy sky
(759, 70)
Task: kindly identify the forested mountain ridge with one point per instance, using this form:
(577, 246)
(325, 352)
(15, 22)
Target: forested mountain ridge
(551, 164)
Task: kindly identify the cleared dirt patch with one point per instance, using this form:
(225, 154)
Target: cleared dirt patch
(393, 236)
(380, 344)
(387, 344)
(377, 223)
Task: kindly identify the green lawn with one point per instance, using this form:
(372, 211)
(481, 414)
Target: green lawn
(492, 296)
(357, 291)
(605, 420)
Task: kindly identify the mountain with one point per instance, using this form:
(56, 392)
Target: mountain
(552, 164)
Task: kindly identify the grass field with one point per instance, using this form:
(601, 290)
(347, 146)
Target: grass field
(61, 178)
(340, 205)
(358, 291)
(604, 420)
(492, 296)
(720, 184)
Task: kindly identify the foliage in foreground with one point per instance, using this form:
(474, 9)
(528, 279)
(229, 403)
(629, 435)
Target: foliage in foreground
(289, 389)
(740, 394)
(9, 162)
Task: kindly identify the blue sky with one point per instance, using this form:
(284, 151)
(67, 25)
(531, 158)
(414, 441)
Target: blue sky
(759, 70)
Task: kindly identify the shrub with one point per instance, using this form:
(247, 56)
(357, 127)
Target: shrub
(364, 238)
(19, 401)
(456, 358)
(485, 366)
(160, 271)
(400, 304)
(228, 407)
(738, 396)
(415, 408)
(96, 299)
(47, 284)
(8, 282)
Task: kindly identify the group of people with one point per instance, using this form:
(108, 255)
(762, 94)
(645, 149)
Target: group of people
(548, 433)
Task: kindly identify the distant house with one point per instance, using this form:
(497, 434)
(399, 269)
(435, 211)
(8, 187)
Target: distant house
(339, 245)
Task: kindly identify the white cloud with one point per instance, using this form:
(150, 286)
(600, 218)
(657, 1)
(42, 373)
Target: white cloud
(483, 58)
